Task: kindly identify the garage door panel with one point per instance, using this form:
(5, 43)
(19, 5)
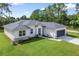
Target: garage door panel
(60, 33)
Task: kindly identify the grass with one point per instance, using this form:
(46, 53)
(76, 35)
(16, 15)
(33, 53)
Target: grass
(37, 47)
(72, 34)
(71, 28)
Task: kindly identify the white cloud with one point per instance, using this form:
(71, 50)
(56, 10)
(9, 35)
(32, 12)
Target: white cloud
(27, 12)
(70, 6)
(42, 9)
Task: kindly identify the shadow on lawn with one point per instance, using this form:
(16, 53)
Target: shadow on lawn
(71, 35)
(31, 40)
(1, 30)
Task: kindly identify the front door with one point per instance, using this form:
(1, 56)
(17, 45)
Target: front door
(39, 31)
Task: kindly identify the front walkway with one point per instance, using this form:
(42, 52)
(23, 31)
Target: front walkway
(70, 39)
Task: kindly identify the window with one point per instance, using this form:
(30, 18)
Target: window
(31, 31)
(22, 33)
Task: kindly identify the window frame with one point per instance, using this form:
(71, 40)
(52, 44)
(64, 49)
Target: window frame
(22, 33)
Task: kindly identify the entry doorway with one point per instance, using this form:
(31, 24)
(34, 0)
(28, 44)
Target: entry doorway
(39, 31)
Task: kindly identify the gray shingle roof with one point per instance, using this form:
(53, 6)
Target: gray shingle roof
(52, 25)
(12, 25)
(27, 23)
(21, 23)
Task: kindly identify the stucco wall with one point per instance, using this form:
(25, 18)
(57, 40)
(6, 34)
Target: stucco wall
(50, 33)
(15, 33)
(9, 34)
(38, 28)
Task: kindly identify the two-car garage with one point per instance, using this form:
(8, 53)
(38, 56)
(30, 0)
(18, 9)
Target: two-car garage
(54, 30)
(61, 33)
(54, 33)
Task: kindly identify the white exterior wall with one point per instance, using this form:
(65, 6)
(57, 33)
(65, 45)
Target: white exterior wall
(9, 34)
(27, 34)
(15, 34)
(47, 32)
(50, 33)
(35, 30)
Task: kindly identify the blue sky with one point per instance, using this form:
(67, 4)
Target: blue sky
(19, 9)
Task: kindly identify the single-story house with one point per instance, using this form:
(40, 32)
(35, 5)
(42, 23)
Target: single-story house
(24, 29)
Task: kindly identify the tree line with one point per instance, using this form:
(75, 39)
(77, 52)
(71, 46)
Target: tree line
(55, 12)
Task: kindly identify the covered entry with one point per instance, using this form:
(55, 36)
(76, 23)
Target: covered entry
(60, 33)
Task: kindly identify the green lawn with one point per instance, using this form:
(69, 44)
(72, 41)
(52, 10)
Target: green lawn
(72, 34)
(37, 47)
(76, 28)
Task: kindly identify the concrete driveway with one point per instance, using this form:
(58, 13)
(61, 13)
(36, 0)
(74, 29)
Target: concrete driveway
(70, 39)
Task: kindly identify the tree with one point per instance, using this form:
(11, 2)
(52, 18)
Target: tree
(56, 12)
(17, 18)
(72, 20)
(48, 14)
(23, 17)
(4, 8)
(2, 20)
(59, 11)
(35, 14)
(77, 8)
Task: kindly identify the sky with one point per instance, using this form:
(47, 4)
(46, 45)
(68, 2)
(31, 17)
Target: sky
(19, 9)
